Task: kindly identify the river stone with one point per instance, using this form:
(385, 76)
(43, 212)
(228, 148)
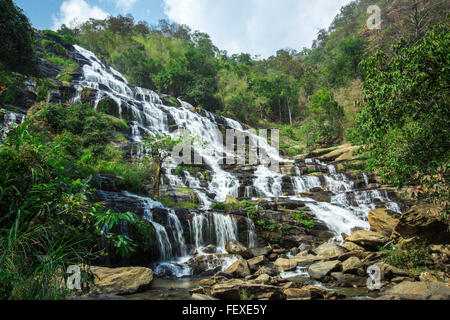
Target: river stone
(265, 270)
(305, 259)
(329, 250)
(202, 297)
(121, 280)
(256, 262)
(320, 270)
(369, 239)
(260, 251)
(239, 269)
(350, 246)
(305, 293)
(239, 290)
(383, 221)
(351, 265)
(286, 264)
(349, 280)
(420, 290)
(235, 247)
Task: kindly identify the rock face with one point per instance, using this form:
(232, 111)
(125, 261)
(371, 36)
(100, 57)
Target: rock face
(367, 239)
(383, 221)
(423, 221)
(305, 293)
(421, 290)
(320, 270)
(239, 269)
(235, 247)
(121, 280)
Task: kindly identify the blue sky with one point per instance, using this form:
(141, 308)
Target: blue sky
(259, 27)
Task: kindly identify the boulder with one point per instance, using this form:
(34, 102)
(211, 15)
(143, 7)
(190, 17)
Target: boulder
(424, 222)
(350, 246)
(208, 264)
(320, 270)
(368, 239)
(286, 264)
(349, 280)
(241, 290)
(202, 297)
(352, 265)
(260, 251)
(305, 259)
(265, 270)
(119, 281)
(329, 250)
(239, 269)
(383, 221)
(256, 262)
(420, 290)
(235, 247)
(305, 293)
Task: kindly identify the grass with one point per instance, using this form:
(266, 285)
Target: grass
(411, 256)
(301, 217)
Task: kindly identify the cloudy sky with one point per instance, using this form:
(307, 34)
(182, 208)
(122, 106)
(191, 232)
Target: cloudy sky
(259, 27)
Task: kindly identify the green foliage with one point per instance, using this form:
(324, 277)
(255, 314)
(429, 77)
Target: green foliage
(412, 256)
(404, 121)
(323, 124)
(301, 218)
(17, 52)
(218, 206)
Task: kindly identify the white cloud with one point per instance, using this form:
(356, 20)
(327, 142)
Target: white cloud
(256, 26)
(125, 5)
(74, 12)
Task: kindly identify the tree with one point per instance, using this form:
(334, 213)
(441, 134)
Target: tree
(324, 119)
(17, 45)
(405, 117)
(158, 150)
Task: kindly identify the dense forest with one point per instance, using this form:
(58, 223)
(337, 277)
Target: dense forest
(385, 90)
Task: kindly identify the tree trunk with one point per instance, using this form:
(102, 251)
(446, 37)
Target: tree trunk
(290, 114)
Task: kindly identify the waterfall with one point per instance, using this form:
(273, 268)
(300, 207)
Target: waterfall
(252, 237)
(146, 114)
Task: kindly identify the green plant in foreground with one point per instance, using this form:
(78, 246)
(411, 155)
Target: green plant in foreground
(411, 256)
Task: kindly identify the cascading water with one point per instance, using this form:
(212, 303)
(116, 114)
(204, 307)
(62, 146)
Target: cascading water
(147, 115)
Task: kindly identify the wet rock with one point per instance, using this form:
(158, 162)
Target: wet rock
(202, 297)
(349, 280)
(306, 293)
(383, 221)
(368, 239)
(320, 270)
(239, 269)
(235, 247)
(121, 280)
(210, 249)
(257, 262)
(285, 264)
(420, 290)
(265, 270)
(208, 263)
(240, 290)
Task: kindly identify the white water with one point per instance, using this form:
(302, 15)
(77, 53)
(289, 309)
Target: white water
(147, 115)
